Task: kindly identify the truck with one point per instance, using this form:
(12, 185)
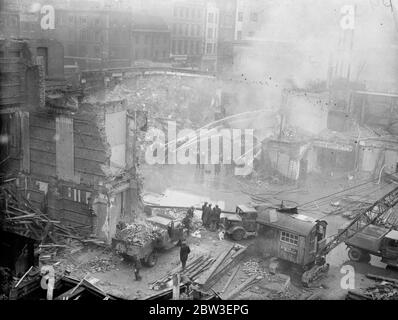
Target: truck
(365, 235)
(167, 233)
(241, 224)
(374, 240)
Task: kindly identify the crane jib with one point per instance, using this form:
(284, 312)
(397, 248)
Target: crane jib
(370, 215)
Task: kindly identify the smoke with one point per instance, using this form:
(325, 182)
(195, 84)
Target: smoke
(297, 42)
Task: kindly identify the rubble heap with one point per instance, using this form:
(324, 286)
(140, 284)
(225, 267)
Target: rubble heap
(252, 267)
(101, 265)
(138, 233)
(383, 291)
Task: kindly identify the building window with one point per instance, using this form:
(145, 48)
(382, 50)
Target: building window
(175, 12)
(253, 16)
(289, 238)
(209, 47)
(193, 13)
(186, 29)
(240, 16)
(181, 12)
(185, 46)
(193, 27)
(70, 18)
(174, 28)
(239, 35)
(210, 18)
(199, 13)
(198, 47)
(97, 51)
(198, 30)
(180, 47)
(192, 47)
(251, 34)
(210, 33)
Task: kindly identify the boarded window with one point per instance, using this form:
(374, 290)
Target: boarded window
(289, 238)
(64, 148)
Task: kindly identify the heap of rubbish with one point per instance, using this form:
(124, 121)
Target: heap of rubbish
(138, 233)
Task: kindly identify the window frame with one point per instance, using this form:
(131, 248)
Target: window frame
(289, 238)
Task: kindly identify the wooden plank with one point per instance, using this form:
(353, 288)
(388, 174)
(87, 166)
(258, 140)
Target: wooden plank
(248, 282)
(381, 278)
(43, 145)
(70, 293)
(205, 277)
(230, 279)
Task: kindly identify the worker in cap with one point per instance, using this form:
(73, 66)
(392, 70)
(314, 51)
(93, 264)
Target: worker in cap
(184, 252)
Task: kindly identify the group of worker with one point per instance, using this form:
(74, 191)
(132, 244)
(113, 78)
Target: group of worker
(211, 216)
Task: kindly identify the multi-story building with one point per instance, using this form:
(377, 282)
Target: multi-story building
(209, 59)
(9, 19)
(150, 39)
(226, 35)
(94, 38)
(188, 30)
(250, 16)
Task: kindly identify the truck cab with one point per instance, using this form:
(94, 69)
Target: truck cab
(241, 224)
(374, 240)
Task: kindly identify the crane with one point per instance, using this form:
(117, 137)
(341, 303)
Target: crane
(369, 216)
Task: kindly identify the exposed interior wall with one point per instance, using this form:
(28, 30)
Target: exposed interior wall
(64, 147)
(391, 160)
(284, 164)
(115, 128)
(369, 158)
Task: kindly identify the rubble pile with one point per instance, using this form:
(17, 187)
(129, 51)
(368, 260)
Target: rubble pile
(383, 291)
(138, 233)
(252, 267)
(101, 265)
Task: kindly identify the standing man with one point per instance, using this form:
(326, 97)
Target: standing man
(217, 214)
(209, 211)
(213, 219)
(184, 252)
(137, 267)
(204, 214)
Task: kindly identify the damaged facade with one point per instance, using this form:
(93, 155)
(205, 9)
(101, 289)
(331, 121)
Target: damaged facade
(323, 134)
(68, 158)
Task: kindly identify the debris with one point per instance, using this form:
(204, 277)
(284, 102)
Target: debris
(245, 285)
(232, 276)
(138, 233)
(23, 277)
(381, 278)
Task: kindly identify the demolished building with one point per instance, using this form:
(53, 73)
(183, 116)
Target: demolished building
(68, 158)
(320, 134)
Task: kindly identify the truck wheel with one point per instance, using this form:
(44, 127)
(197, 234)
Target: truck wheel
(238, 235)
(355, 254)
(151, 260)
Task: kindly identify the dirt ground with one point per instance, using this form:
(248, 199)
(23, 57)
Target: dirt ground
(186, 186)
